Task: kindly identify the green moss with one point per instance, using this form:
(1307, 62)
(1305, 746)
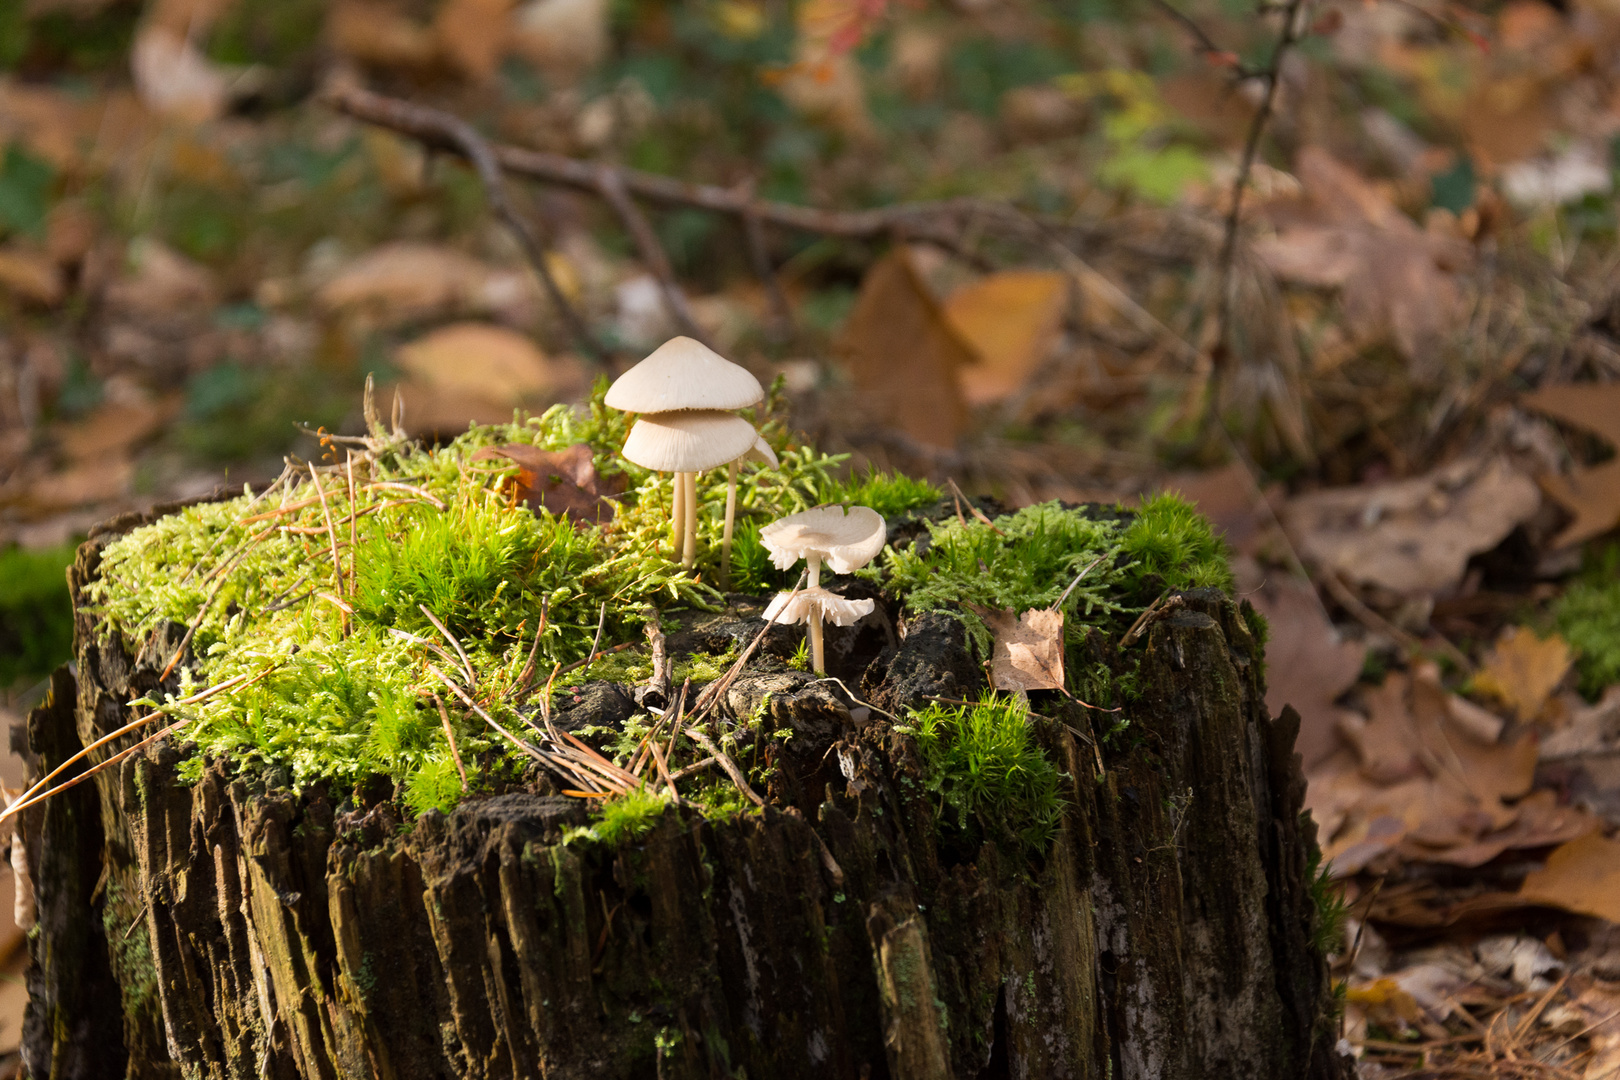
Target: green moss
(991, 779)
(1023, 560)
(890, 494)
(1329, 906)
(1170, 540)
(622, 818)
(36, 616)
(1588, 615)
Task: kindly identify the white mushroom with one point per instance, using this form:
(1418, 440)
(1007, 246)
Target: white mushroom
(684, 374)
(846, 541)
(798, 607)
(686, 443)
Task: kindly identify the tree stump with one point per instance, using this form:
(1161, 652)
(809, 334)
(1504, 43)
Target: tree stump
(234, 929)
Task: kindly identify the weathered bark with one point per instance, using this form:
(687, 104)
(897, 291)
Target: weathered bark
(244, 931)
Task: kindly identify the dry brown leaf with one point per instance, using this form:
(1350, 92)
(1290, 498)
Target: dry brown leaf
(160, 281)
(81, 485)
(1396, 281)
(565, 482)
(904, 356)
(379, 33)
(1523, 670)
(1308, 665)
(478, 371)
(1592, 494)
(31, 276)
(403, 281)
(1028, 652)
(473, 34)
(113, 428)
(566, 35)
(1413, 536)
(174, 79)
(1582, 876)
(1423, 787)
(1009, 319)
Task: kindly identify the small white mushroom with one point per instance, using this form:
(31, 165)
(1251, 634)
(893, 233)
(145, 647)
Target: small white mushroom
(798, 607)
(686, 443)
(846, 541)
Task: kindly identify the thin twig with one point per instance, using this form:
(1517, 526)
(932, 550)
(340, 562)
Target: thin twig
(331, 530)
(610, 185)
(450, 734)
(726, 763)
(526, 676)
(354, 526)
(446, 130)
(466, 664)
(1226, 261)
(933, 222)
(716, 690)
(1205, 44)
(1088, 569)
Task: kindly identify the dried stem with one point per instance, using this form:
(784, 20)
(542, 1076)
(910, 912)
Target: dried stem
(444, 130)
(450, 734)
(610, 185)
(466, 664)
(726, 763)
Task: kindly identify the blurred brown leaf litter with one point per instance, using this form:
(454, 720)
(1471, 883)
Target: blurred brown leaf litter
(1400, 401)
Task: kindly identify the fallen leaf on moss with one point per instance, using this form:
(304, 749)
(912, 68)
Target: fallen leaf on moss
(903, 354)
(1582, 876)
(1009, 318)
(1523, 670)
(1591, 493)
(1028, 650)
(1413, 536)
(401, 281)
(565, 482)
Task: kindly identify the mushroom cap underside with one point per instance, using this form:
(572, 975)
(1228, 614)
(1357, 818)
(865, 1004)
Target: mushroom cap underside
(688, 441)
(797, 607)
(684, 374)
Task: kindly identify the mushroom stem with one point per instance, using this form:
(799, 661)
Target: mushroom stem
(689, 542)
(818, 660)
(677, 513)
(725, 535)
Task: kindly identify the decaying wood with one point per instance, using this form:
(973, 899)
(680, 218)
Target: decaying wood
(232, 928)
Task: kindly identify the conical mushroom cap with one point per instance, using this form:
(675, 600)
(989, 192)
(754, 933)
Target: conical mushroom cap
(684, 374)
(688, 441)
(845, 541)
(789, 607)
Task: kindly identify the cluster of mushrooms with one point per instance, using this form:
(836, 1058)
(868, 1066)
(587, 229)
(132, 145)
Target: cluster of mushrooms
(683, 394)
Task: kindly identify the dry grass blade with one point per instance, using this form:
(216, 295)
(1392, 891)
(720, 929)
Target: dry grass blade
(331, 532)
(38, 791)
(394, 485)
(450, 736)
(354, 527)
(220, 576)
(526, 676)
(724, 759)
(716, 690)
(466, 664)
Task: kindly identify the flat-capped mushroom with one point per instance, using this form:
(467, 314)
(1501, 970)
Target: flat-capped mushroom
(845, 540)
(684, 374)
(686, 443)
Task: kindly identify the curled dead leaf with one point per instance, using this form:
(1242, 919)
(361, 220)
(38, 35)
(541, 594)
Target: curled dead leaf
(564, 482)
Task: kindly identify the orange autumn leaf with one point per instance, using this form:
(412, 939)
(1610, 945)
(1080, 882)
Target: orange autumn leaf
(1592, 493)
(1522, 670)
(1009, 319)
(1582, 876)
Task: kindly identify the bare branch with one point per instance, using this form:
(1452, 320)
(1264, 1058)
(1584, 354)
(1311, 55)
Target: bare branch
(447, 131)
(610, 184)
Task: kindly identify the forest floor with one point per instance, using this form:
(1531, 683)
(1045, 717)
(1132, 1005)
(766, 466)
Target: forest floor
(1395, 385)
